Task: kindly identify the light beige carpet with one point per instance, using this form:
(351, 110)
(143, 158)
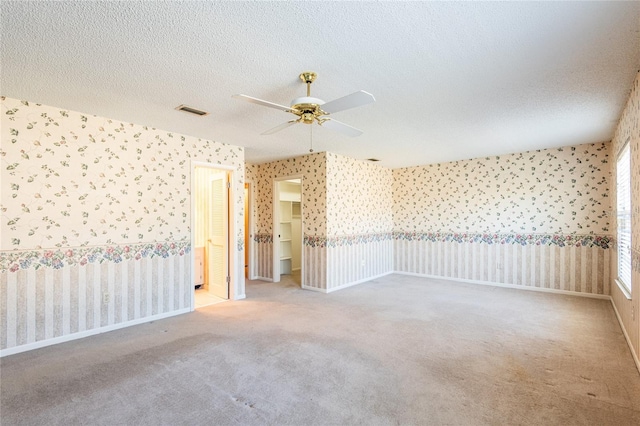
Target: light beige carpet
(398, 350)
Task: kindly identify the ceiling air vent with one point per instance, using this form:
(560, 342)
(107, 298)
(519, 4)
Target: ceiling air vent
(191, 110)
(372, 159)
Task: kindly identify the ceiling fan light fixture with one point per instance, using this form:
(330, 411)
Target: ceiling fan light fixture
(311, 110)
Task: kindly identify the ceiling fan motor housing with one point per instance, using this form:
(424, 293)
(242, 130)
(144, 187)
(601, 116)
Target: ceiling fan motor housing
(310, 110)
(307, 108)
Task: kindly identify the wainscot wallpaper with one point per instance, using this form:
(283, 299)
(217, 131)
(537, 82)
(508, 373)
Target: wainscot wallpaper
(359, 221)
(312, 168)
(87, 202)
(536, 219)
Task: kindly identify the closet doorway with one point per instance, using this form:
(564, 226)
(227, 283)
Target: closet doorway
(249, 273)
(211, 235)
(287, 225)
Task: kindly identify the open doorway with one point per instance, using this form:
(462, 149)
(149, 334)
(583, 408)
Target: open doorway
(287, 225)
(211, 235)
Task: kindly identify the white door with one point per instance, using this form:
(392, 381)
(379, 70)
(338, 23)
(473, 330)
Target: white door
(218, 261)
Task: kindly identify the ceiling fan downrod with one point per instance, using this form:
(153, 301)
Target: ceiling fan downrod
(308, 77)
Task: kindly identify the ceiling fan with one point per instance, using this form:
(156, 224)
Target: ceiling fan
(313, 110)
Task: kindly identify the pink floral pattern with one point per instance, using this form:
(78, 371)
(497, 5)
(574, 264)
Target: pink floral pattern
(14, 261)
(263, 238)
(560, 240)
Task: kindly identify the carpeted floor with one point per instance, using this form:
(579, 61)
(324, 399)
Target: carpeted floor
(397, 350)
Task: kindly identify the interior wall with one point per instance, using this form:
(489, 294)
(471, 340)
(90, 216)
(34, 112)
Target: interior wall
(538, 219)
(629, 129)
(312, 168)
(251, 176)
(93, 206)
(359, 221)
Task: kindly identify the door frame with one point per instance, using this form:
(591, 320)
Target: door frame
(276, 225)
(250, 246)
(236, 285)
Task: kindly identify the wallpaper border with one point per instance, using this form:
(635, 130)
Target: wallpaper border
(560, 240)
(13, 261)
(263, 238)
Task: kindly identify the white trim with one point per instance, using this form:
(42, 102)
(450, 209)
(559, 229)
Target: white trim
(264, 279)
(343, 286)
(275, 204)
(240, 297)
(80, 335)
(251, 244)
(319, 290)
(626, 336)
(514, 286)
(275, 228)
(331, 290)
(236, 282)
(623, 289)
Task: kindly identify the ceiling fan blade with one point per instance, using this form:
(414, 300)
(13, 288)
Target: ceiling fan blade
(261, 102)
(338, 126)
(280, 127)
(350, 101)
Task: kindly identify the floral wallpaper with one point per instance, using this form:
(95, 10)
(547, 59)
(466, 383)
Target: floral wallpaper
(58, 258)
(251, 175)
(628, 129)
(313, 169)
(560, 240)
(250, 172)
(76, 180)
(359, 198)
(347, 240)
(553, 191)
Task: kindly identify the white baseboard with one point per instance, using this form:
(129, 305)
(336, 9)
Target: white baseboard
(515, 286)
(343, 286)
(240, 297)
(264, 279)
(87, 333)
(626, 336)
(319, 290)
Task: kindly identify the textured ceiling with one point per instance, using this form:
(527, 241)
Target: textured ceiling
(452, 80)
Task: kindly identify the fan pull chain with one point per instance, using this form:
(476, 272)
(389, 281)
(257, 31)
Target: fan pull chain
(311, 137)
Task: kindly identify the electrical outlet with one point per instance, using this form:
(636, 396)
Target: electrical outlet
(362, 263)
(106, 297)
(498, 266)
